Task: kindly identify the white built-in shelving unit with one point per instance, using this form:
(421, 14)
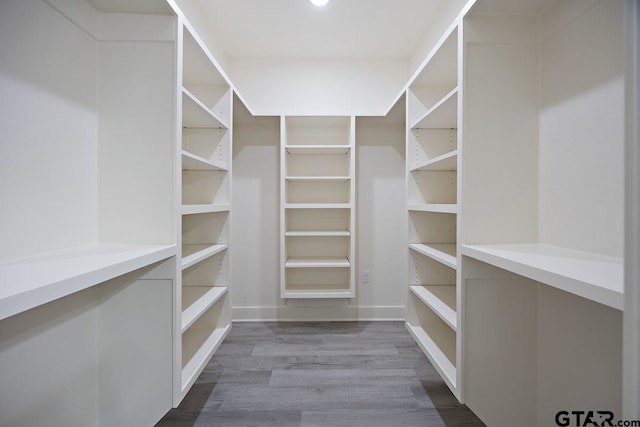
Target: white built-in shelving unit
(543, 207)
(433, 201)
(87, 258)
(204, 151)
(317, 216)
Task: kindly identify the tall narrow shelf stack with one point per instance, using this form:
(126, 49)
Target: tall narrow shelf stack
(205, 151)
(317, 216)
(433, 154)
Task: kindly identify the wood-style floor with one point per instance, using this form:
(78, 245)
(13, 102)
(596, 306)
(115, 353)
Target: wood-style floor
(319, 374)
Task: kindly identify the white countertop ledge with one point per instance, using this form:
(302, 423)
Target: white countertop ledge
(592, 276)
(26, 283)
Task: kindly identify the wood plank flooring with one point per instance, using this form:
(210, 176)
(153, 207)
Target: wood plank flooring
(348, 374)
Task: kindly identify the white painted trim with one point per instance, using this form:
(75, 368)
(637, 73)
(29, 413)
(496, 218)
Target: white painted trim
(631, 340)
(316, 314)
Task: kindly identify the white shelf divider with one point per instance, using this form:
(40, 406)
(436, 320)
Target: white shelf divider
(443, 115)
(444, 162)
(196, 300)
(440, 299)
(324, 262)
(193, 254)
(591, 276)
(31, 282)
(444, 253)
(196, 163)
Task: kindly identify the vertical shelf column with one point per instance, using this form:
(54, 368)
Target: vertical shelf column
(317, 210)
(433, 200)
(203, 312)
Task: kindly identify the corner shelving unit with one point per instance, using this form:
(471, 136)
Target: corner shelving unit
(433, 200)
(317, 207)
(203, 313)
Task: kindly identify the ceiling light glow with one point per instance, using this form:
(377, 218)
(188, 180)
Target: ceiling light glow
(319, 3)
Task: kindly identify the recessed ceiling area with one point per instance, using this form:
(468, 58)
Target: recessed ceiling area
(296, 29)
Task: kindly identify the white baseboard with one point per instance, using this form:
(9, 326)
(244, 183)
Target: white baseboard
(315, 314)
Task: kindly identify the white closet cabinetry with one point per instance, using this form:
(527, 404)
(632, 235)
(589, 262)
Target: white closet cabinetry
(203, 314)
(433, 175)
(87, 257)
(543, 208)
(317, 207)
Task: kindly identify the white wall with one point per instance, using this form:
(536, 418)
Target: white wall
(318, 87)
(47, 77)
(434, 31)
(380, 238)
(582, 126)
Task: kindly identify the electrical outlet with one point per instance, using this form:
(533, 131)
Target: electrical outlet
(365, 276)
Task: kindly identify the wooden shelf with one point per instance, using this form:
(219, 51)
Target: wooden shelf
(591, 276)
(443, 115)
(197, 115)
(318, 233)
(430, 207)
(445, 368)
(442, 252)
(193, 162)
(440, 299)
(196, 300)
(324, 262)
(201, 357)
(318, 149)
(317, 293)
(317, 178)
(34, 281)
(445, 162)
(193, 254)
(199, 209)
(317, 206)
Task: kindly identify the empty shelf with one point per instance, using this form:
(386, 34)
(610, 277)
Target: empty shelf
(197, 115)
(193, 254)
(440, 299)
(196, 163)
(443, 115)
(318, 149)
(445, 162)
(430, 207)
(591, 276)
(324, 262)
(31, 282)
(198, 209)
(318, 233)
(196, 300)
(195, 365)
(317, 205)
(437, 357)
(441, 252)
(316, 178)
(317, 293)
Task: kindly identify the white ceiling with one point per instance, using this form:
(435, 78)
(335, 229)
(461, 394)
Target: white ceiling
(296, 29)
